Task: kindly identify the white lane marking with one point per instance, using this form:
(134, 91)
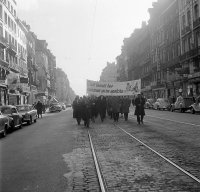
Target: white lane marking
(174, 121)
(169, 161)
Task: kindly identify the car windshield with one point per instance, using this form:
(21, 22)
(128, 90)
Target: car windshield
(6, 110)
(23, 108)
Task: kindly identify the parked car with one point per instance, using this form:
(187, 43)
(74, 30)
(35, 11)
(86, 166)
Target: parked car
(63, 106)
(4, 124)
(195, 108)
(162, 103)
(68, 105)
(29, 114)
(149, 103)
(182, 106)
(15, 119)
(55, 107)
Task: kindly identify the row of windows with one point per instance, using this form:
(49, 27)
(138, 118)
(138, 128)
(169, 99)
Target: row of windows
(10, 7)
(166, 54)
(169, 34)
(1, 12)
(189, 43)
(13, 60)
(12, 40)
(186, 18)
(11, 24)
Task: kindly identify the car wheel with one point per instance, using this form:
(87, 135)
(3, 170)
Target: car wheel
(4, 131)
(35, 120)
(30, 121)
(192, 111)
(20, 125)
(12, 126)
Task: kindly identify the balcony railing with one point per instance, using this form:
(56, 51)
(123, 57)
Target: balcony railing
(191, 53)
(13, 48)
(14, 67)
(22, 56)
(185, 30)
(196, 23)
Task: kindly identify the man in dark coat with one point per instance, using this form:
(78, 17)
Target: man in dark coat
(94, 112)
(115, 104)
(109, 107)
(101, 103)
(39, 108)
(76, 105)
(126, 102)
(139, 108)
(86, 111)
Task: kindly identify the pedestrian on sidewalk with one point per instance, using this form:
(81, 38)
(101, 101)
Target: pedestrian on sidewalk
(139, 108)
(39, 108)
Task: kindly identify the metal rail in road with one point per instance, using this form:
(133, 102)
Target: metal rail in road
(163, 157)
(99, 172)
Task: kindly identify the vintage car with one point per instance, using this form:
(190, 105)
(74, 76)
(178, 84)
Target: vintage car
(4, 124)
(68, 105)
(63, 106)
(182, 106)
(162, 103)
(55, 107)
(149, 103)
(29, 114)
(195, 108)
(15, 119)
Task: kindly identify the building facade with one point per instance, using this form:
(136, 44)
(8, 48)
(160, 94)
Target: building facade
(43, 70)
(189, 17)
(109, 73)
(64, 93)
(23, 86)
(8, 53)
(165, 53)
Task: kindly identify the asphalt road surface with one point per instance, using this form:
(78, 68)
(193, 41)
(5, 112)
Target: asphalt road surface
(31, 158)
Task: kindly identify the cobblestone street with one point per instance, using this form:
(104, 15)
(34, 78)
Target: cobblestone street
(129, 166)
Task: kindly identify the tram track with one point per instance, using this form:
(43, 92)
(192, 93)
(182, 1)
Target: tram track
(161, 156)
(111, 161)
(184, 150)
(97, 166)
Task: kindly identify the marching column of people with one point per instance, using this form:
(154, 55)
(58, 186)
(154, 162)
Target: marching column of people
(87, 108)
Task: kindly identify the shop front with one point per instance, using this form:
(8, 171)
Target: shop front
(42, 96)
(25, 93)
(33, 94)
(13, 92)
(3, 93)
(193, 86)
(159, 91)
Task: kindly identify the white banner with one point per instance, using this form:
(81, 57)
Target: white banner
(98, 88)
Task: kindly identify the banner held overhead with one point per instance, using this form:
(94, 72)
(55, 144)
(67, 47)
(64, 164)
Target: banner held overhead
(98, 88)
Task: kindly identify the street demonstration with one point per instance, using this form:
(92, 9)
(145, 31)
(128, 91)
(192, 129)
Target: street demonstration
(111, 98)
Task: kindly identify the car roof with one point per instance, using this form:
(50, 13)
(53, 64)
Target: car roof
(23, 105)
(7, 106)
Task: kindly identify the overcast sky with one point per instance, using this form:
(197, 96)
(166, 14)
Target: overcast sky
(84, 34)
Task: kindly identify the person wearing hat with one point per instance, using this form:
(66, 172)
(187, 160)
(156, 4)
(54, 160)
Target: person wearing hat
(139, 108)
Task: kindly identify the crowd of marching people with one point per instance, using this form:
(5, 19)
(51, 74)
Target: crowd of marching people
(88, 108)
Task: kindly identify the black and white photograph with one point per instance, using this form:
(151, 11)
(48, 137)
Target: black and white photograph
(99, 95)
